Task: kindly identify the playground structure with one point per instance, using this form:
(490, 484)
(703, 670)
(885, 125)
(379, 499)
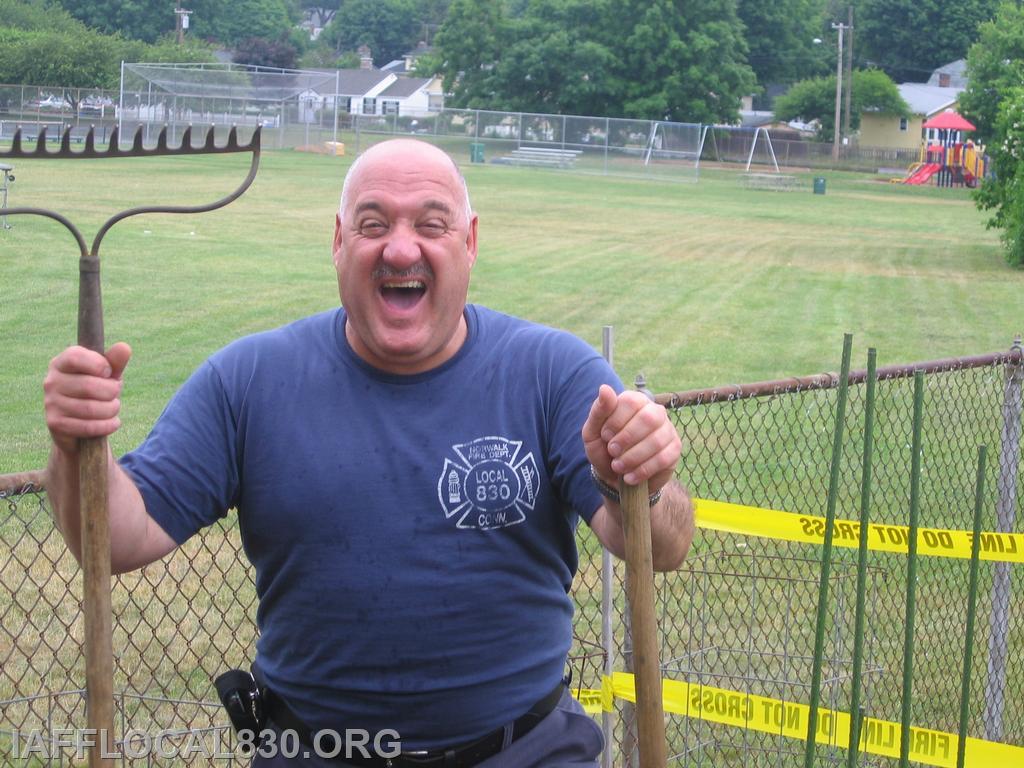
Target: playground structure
(949, 160)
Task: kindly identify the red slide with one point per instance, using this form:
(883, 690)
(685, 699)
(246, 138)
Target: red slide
(922, 174)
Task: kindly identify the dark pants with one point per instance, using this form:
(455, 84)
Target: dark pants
(567, 738)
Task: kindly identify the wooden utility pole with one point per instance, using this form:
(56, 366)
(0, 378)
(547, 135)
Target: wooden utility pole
(181, 22)
(840, 29)
(849, 73)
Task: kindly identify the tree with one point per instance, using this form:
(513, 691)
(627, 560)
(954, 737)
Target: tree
(1003, 192)
(262, 52)
(135, 19)
(682, 60)
(231, 22)
(388, 27)
(780, 36)
(670, 59)
(814, 99)
(908, 39)
(557, 62)
(467, 49)
(322, 11)
(994, 102)
(995, 64)
(84, 59)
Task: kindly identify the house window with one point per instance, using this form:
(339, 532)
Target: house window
(389, 107)
(345, 104)
(904, 124)
(369, 106)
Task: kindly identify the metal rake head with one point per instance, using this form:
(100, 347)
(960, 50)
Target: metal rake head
(137, 149)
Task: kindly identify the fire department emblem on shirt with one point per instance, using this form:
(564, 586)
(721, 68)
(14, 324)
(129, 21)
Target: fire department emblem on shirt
(488, 485)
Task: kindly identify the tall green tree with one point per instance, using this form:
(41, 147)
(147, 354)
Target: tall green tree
(231, 21)
(82, 59)
(995, 64)
(908, 39)
(137, 19)
(994, 102)
(556, 60)
(814, 99)
(388, 27)
(780, 36)
(1003, 191)
(668, 59)
(682, 60)
(468, 48)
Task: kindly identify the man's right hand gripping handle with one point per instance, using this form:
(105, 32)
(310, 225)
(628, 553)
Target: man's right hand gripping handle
(82, 398)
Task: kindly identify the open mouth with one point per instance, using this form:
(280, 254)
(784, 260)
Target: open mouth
(404, 295)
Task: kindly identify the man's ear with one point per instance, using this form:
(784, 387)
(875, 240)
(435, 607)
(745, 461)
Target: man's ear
(471, 239)
(336, 249)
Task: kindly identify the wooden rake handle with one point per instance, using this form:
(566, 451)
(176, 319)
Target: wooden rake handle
(92, 483)
(650, 715)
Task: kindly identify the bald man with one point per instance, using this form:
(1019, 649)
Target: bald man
(408, 471)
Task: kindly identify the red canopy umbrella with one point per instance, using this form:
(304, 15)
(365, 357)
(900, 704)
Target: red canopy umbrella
(949, 120)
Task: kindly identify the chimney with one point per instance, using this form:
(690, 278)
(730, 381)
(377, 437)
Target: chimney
(365, 58)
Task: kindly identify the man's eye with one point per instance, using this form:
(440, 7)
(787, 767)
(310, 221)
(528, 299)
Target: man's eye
(433, 227)
(372, 228)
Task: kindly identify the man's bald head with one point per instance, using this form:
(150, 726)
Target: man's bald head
(414, 149)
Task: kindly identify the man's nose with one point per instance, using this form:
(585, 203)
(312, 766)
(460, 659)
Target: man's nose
(402, 249)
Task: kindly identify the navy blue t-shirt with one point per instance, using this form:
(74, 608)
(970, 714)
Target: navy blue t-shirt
(413, 536)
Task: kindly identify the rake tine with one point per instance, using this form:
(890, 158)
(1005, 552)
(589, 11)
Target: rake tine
(16, 142)
(90, 140)
(65, 140)
(137, 147)
(233, 137)
(211, 139)
(40, 149)
(161, 140)
(115, 140)
(186, 138)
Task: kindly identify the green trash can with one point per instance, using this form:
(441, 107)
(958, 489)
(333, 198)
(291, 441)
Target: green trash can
(819, 185)
(476, 152)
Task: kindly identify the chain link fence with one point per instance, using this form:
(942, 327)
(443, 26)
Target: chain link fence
(303, 108)
(739, 615)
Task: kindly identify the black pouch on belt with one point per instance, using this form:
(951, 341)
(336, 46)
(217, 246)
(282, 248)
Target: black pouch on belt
(242, 699)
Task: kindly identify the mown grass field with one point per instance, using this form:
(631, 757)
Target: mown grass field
(705, 283)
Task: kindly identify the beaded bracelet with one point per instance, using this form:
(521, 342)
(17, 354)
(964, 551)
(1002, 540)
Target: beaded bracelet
(612, 494)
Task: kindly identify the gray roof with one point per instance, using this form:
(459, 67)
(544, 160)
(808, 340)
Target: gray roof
(957, 71)
(928, 99)
(404, 87)
(356, 82)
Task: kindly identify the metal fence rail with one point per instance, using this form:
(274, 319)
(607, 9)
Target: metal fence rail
(738, 616)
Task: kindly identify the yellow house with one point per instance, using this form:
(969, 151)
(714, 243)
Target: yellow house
(894, 132)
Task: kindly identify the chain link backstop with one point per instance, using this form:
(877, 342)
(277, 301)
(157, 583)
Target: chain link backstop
(738, 616)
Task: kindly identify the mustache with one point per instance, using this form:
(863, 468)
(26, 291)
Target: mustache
(420, 270)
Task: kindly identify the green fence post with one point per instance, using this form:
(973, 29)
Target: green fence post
(826, 555)
(972, 610)
(908, 632)
(862, 562)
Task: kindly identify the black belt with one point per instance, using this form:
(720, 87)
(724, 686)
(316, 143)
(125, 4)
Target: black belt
(463, 755)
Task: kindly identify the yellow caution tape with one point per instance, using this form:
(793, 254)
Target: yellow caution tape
(810, 529)
(759, 713)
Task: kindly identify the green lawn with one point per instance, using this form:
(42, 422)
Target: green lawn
(705, 283)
